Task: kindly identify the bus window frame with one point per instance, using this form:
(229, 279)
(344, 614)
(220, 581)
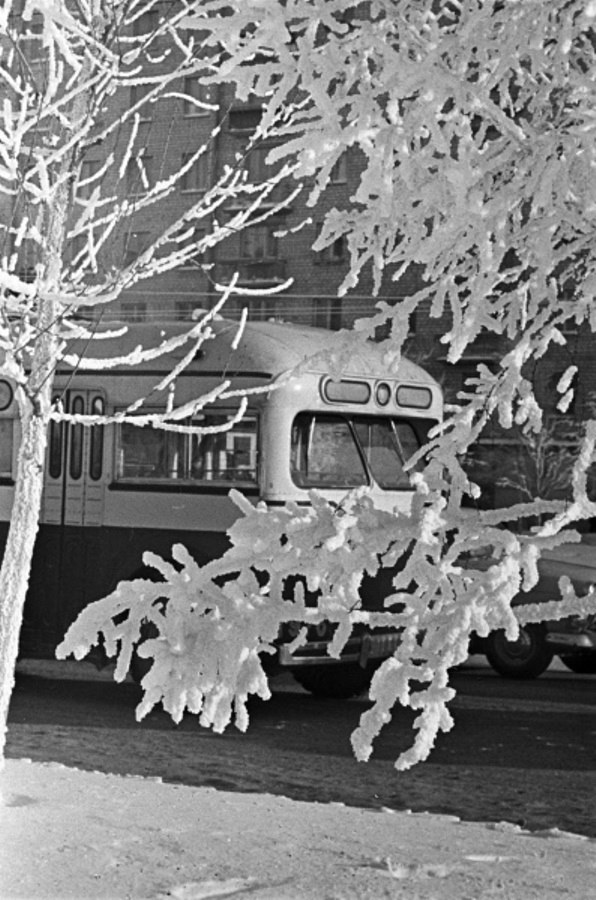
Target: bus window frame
(76, 442)
(6, 476)
(96, 441)
(349, 416)
(339, 416)
(165, 483)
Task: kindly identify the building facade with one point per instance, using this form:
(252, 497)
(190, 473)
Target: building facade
(206, 129)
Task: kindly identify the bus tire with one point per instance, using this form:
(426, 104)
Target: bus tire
(527, 657)
(580, 663)
(139, 666)
(338, 682)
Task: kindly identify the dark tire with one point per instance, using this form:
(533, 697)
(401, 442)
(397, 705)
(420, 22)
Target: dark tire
(528, 657)
(580, 663)
(339, 682)
(139, 666)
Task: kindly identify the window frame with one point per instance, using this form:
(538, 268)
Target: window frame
(339, 171)
(353, 419)
(329, 255)
(191, 110)
(89, 169)
(7, 473)
(133, 310)
(186, 482)
(270, 244)
(135, 244)
(196, 179)
(138, 95)
(137, 167)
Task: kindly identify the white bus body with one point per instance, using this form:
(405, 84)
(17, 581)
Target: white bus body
(112, 492)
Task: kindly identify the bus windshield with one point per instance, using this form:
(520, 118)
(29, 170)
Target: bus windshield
(346, 451)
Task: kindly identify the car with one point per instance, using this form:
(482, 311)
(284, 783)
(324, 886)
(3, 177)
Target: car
(573, 639)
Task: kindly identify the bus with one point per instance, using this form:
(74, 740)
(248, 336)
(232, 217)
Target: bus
(113, 491)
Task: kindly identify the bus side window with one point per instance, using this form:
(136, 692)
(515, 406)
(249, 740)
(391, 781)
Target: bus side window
(56, 435)
(96, 447)
(6, 442)
(76, 441)
(156, 455)
(140, 452)
(229, 455)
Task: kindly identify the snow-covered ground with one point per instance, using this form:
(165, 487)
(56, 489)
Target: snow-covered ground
(73, 834)
(67, 833)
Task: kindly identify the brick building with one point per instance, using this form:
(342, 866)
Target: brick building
(264, 255)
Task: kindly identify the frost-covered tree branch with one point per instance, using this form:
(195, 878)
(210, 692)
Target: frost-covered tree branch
(67, 73)
(474, 126)
(473, 123)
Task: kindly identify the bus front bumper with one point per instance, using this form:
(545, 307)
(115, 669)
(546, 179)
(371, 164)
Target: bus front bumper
(361, 650)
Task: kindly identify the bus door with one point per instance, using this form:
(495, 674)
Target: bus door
(74, 486)
(67, 563)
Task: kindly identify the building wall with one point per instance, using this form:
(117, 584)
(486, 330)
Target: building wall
(269, 254)
(263, 260)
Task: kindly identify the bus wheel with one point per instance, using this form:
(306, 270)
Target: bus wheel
(334, 681)
(139, 666)
(581, 664)
(527, 657)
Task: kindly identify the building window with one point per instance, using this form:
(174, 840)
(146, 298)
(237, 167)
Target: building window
(256, 165)
(569, 326)
(194, 39)
(557, 396)
(326, 313)
(30, 37)
(136, 243)
(138, 93)
(413, 323)
(188, 238)
(244, 120)
(184, 310)
(146, 25)
(335, 253)
(134, 310)
(139, 175)
(258, 242)
(194, 178)
(261, 309)
(339, 172)
(87, 183)
(195, 95)
(76, 245)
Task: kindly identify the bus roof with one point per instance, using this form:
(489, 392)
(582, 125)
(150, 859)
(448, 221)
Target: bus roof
(266, 348)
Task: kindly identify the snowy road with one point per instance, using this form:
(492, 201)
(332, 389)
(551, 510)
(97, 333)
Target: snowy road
(520, 752)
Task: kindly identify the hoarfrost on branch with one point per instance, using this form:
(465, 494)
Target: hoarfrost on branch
(474, 122)
(68, 220)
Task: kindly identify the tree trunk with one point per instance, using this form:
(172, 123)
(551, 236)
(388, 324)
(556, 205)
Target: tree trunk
(18, 553)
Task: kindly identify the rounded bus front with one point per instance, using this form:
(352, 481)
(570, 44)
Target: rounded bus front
(121, 486)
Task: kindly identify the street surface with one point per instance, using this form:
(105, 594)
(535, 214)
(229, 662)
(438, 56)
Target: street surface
(523, 752)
